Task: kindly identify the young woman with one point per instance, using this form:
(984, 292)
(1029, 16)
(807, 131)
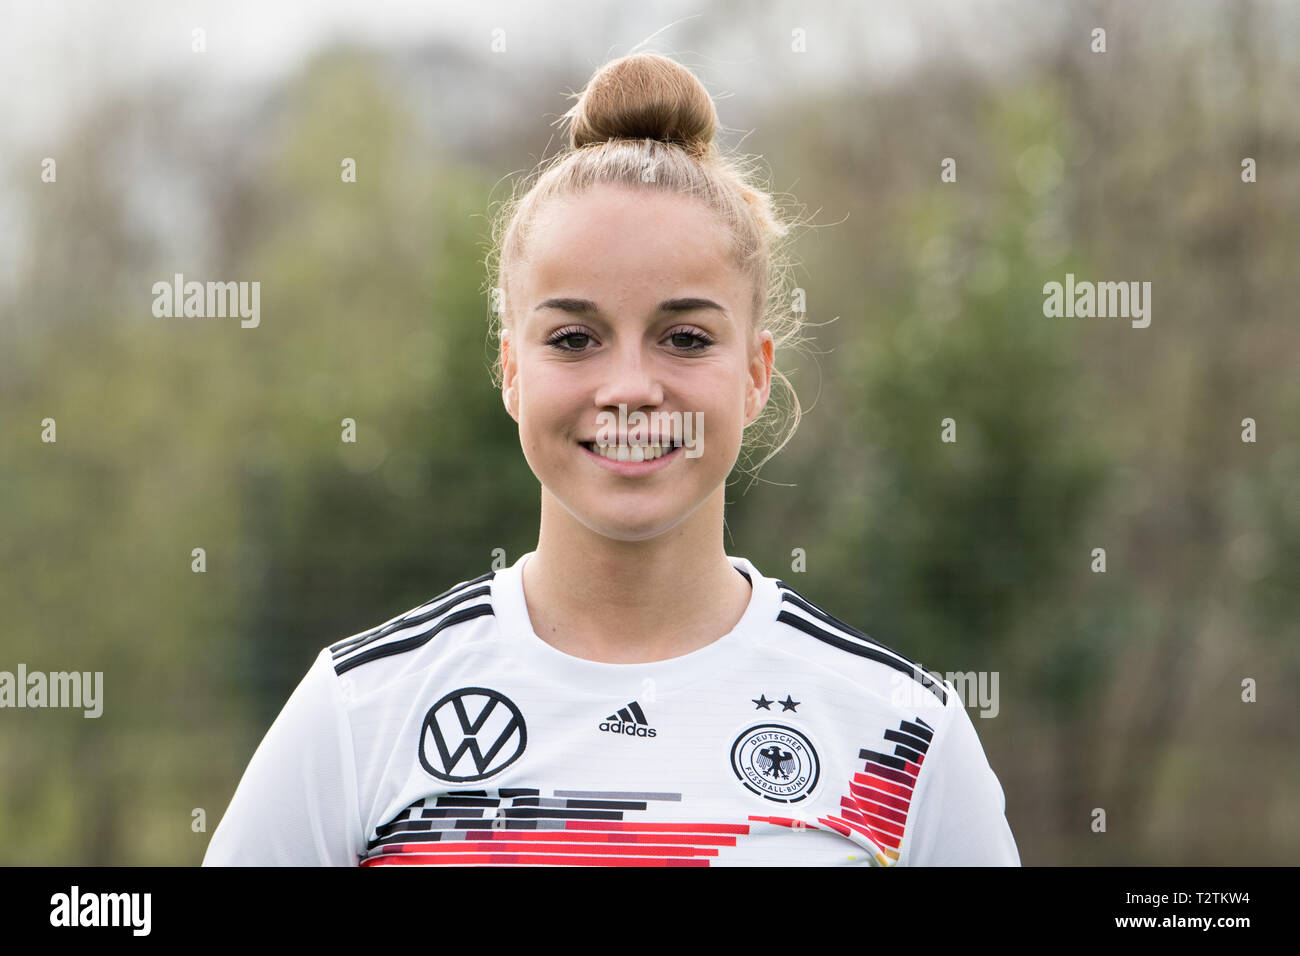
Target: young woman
(626, 693)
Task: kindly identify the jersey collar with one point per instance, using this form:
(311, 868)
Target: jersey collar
(598, 678)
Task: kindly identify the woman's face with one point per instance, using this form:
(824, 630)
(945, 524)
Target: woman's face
(628, 297)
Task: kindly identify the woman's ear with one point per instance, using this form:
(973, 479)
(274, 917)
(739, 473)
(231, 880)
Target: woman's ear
(760, 376)
(509, 373)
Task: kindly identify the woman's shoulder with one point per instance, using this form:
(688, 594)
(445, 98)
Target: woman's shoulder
(854, 652)
(463, 602)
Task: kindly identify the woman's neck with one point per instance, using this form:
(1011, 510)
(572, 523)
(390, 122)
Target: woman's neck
(629, 602)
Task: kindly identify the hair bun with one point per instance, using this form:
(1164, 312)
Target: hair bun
(640, 96)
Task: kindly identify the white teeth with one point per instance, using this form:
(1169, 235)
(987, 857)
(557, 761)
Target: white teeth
(632, 453)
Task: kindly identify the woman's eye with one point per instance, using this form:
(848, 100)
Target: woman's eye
(563, 341)
(568, 340)
(684, 340)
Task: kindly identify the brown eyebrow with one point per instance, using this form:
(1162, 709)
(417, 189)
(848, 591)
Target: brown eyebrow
(587, 307)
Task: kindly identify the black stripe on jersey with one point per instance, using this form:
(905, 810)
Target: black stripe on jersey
(910, 741)
(411, 643)
(405, 620)
(862, 650)
(794, 597)
(414, 620)
(886, 760)
(871, 649)
(397, 622)
(918, 729)
(906, 746)
(790, 594)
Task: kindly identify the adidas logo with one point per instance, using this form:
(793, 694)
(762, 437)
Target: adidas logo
(629, 720)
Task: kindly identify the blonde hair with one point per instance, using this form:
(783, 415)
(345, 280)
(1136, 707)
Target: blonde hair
(644, 112)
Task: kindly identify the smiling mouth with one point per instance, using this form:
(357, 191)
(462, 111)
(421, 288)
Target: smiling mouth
(631, 453)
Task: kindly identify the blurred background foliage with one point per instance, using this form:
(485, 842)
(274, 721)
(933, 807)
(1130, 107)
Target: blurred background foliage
(1119, 690)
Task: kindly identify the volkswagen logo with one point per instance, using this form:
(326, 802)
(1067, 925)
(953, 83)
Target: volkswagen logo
(471, 734)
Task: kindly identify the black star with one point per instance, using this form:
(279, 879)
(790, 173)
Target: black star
(763, 702)
(789, 704)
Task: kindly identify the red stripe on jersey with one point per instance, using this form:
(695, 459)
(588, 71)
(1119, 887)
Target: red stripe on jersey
(882, 840)
(868, 819)
(597, 836)
(862, 792)
(523, 859)
(786, 822)
(740, 828)
(888, 786)
(859, 825)
(882, 813)
(903, 777)
(499, 847)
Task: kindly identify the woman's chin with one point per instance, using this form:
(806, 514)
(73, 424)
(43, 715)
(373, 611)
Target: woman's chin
(640, 527)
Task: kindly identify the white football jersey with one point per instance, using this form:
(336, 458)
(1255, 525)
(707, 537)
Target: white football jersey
(454, 735)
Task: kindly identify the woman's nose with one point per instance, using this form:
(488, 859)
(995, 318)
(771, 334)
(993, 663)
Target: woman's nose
(629, 379)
